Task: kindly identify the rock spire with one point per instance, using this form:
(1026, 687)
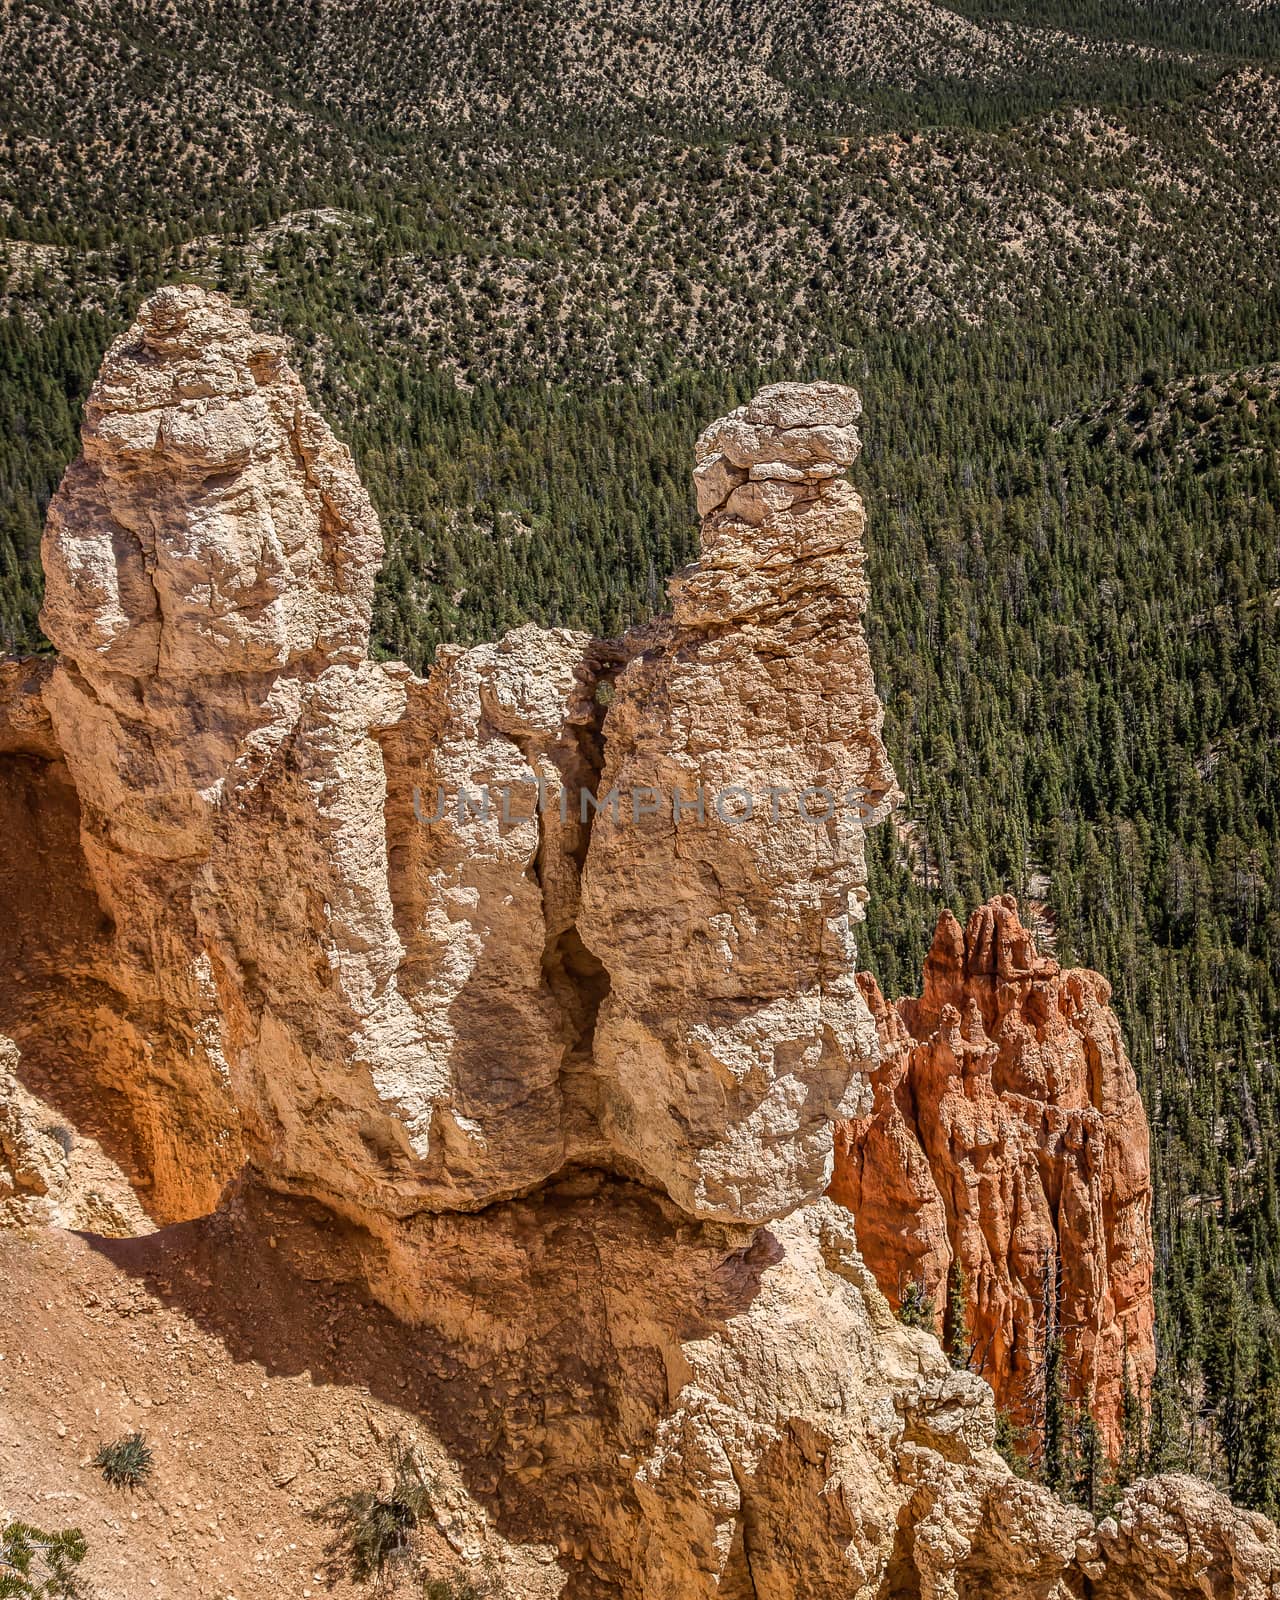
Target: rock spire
(1007, 1143)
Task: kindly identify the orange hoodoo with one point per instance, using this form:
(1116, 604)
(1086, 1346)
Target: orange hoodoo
(1007, 1135)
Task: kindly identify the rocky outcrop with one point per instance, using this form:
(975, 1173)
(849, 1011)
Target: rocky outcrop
(1007, 1140)
(743, 738)
(51, 1174)
(538, 976)
(209, 559)
(1175, 1536)
(346, 939)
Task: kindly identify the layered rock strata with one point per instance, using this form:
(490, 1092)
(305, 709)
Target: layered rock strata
(1007, 1141)
(289, 926)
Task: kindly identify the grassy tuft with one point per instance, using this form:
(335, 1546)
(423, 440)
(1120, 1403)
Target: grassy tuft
(127, 1463)
(375, 1529)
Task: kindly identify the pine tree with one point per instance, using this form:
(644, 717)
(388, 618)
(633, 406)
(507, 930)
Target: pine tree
(955, 1331)
(35, 1565)
(1092, 1483)
(1259, 1478)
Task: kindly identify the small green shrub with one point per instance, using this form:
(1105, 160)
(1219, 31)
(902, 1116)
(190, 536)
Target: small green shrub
(1011, 1442)
(484, 1584)
(456, 1589)
(375, 1529)
(127, 1463)
(916, 1308)
(35, 1565)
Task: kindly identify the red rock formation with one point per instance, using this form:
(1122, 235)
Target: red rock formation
(1007, 1134)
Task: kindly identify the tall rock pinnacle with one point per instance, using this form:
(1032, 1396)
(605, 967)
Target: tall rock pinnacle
(733, 1032)
(210, 555)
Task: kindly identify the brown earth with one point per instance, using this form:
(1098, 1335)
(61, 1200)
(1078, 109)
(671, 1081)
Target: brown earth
(263, 1396)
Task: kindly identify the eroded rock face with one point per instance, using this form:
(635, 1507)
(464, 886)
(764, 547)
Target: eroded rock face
(733, 1031)
(212, 525)
(209, 564)
(1174, 1536)
(684, 1412)
(53, 1174)
(367, 932)
(1007, 1136)
(295, 970)
(564, 1082)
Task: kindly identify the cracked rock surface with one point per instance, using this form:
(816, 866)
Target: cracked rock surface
(371, 934)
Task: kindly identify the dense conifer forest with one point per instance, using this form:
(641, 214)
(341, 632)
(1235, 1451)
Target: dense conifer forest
(526, 252)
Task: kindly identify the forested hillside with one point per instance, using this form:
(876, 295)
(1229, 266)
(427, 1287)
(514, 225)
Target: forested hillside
(526, 252)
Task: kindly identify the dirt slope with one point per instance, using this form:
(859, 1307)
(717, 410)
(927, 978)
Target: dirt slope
(101, 1337)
